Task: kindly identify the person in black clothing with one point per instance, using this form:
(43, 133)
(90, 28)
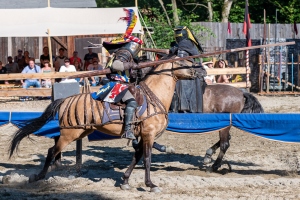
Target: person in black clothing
(44, 56)
(188, 93)
(88, 58)
(20, 60)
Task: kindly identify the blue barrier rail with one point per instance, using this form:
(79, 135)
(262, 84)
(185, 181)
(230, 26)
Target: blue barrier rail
(281, 127)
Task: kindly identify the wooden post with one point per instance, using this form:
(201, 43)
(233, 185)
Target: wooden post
(263, 57)
(48, 3)
(268, 60)
(292, 72)
(214, 60)
(260, 80)
(50, 49)
(279, 68)
(78, 155)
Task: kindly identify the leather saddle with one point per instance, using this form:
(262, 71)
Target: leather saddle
(136, 92)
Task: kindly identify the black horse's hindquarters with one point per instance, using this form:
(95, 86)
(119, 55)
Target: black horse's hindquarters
(252, 105)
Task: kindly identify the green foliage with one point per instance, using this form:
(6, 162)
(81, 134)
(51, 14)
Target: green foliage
(237, 12)
(163, 32)
(288, 11)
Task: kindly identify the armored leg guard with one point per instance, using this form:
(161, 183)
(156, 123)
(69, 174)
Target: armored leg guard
(131, 105)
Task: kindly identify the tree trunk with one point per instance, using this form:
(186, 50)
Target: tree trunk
(210, 11)
(226, 10)
(163, 7)
(175, 14)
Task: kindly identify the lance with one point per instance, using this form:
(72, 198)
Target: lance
(165, 51)
(159, 62)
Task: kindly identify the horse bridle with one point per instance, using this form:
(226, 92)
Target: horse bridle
(193, 72)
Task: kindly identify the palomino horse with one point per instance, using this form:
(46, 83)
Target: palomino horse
(80, 115)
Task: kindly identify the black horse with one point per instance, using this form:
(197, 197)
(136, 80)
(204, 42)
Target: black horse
(222, 98)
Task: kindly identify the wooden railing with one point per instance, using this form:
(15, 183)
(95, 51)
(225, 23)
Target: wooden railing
(44, 92)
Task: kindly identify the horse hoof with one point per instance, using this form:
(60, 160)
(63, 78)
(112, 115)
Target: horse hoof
(155, 190)
(6, 179)
(206, 160)
(125, 187)
(170, 149)
(33, 178)
(209, 170)
(214, 168)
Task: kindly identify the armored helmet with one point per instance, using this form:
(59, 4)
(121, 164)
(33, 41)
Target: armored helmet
(183, 32)
(180, 33)
(133, 47)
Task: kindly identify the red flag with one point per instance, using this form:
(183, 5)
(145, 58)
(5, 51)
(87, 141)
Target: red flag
(228, 28)
(295, 28)
(247, 25)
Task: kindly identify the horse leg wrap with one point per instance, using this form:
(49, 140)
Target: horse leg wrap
(159, 147)
(135, 143)
(209, 153)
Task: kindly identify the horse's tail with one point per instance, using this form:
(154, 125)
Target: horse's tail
(252, 105)
(33, 125)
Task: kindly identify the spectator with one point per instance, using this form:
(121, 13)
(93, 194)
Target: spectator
(3, 70)
(88, 56)
(27, 58)
(11, 66)
(20, 60)
(209, 79)
(95, 66)
(67, 68)
(32, 68)
(78, 68)
(59, 60)
(77, 65)
(222, 78)
(47, 83)
(74, 58)
(44, 56)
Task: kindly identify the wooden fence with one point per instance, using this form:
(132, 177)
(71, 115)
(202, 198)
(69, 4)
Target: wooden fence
(210, 43)
(44, 92)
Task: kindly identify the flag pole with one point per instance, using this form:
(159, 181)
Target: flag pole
(268, 60)
(247, 51)
(262, 66)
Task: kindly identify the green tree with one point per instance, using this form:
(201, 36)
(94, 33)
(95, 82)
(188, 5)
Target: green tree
(288, 11)
(163, 32)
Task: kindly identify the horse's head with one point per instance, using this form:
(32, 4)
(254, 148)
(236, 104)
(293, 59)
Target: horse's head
(184, 70)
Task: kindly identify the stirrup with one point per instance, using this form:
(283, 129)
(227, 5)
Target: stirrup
(128, 134)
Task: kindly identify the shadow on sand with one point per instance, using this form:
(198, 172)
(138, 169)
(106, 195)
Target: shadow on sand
(111, 158)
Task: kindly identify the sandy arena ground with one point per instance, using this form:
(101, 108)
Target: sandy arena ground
(261, 169)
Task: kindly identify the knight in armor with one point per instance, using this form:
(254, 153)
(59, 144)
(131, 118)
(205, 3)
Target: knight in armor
(188, 93)
(123, 52)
